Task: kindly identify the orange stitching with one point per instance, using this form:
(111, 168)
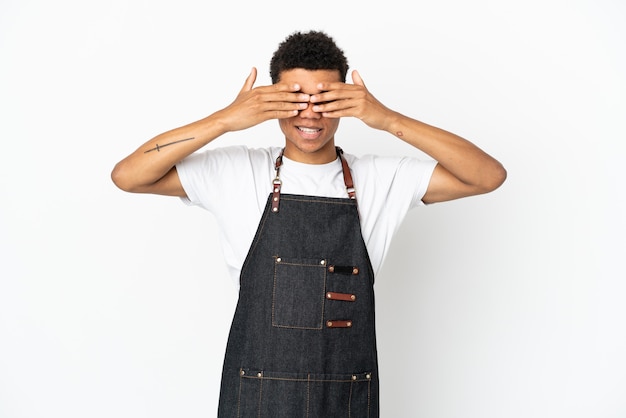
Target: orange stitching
(350, 402)
(286, 263)
(340, 200)
(255, 241)
(276, 325)
(302, 379)
(260, 395)
(274, 293)
(262, 376)
(239, 395)
(369, 396)
(308, 393)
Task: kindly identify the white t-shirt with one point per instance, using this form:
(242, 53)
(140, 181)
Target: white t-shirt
(233, 183)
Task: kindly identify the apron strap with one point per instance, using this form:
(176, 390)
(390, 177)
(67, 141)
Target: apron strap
(277, 183)
(347, 177)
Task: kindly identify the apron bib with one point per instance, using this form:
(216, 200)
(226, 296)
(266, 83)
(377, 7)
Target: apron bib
(302, 342)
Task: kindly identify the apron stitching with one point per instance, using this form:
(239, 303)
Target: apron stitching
(369, 396)
(308, 393)
(350, 401)
(255, 242)
(323, 298)
(343, 202)
(319, 380)
(239, 396)
(260, 396)
(274, 295)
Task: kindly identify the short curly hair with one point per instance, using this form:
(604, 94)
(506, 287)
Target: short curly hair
(313, 50)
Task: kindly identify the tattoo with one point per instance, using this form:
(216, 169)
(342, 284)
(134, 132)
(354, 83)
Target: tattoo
(158, 147)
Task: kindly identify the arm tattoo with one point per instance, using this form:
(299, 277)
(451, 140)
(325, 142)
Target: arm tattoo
(158, 147)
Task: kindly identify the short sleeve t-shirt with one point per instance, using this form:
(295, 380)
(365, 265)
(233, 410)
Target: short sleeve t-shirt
(233, 183)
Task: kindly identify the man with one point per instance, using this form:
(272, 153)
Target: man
(305, 227)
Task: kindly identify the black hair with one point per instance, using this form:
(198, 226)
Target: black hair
(313, 50)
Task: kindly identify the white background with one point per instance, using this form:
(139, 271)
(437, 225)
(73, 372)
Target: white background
(504, 305)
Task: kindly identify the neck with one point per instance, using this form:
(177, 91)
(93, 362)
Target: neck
(324, 155)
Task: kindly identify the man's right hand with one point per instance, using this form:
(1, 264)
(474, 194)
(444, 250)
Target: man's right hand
(254, 105)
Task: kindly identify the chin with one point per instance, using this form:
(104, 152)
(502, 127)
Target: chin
(311, 147)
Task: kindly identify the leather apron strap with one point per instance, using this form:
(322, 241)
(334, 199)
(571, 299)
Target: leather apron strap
(277, 183)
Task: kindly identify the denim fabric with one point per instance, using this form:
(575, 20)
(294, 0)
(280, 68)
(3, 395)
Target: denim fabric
(282, 358)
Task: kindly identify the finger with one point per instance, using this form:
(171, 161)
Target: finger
(284, 87)
(282, 92)
(334, 91)
(247, 86)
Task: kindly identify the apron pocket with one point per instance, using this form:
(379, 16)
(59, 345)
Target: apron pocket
(299, 293)
(289, 395)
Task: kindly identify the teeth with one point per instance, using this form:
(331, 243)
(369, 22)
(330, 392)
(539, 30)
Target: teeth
(308, 130)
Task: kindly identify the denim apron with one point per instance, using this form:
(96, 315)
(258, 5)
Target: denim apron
(302, 342)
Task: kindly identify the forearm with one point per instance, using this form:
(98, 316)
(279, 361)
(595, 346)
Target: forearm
(461, 158)
(155, 158)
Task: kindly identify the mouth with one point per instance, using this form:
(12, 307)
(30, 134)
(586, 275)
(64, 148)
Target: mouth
(308, 131)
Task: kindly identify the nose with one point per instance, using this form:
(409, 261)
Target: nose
(308, 113)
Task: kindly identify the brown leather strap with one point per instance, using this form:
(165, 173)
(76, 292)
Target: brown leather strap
(346, 297)
(347, 176)
(276, 183)
(337, 323)
(276, 194)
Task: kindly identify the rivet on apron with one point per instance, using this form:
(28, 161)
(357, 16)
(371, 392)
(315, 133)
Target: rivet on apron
(241, 372)
(323, 262)
(353, 377)
(259, 374)
(278, 259)
(329, 324)
(355, 271)
(368, 376)
(331, 269)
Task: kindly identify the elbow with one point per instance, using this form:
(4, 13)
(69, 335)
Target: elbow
(500, 176)
(121, 179)
(496, 177)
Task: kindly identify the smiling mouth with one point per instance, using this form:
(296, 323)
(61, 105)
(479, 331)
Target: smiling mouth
(308, 130)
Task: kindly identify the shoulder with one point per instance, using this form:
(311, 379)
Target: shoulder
(380, 165)
(394, 177)
(234, 157)
(210, 175)
(236, 152)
